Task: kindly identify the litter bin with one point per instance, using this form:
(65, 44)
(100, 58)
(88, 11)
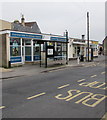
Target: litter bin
(9, 64)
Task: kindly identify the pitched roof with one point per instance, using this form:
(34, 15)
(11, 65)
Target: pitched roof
(29, 24)
(29, 27)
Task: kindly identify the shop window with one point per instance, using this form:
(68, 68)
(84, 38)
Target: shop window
(63, 46)
(27, 42)
(15, 41)
(63, 53)
(36, 50)
(15, 51)
(27, 51)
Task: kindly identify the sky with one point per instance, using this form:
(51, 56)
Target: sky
(56, 17)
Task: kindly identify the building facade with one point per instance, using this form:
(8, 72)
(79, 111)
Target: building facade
(22, 42)
(94, 45)
(23, 47)
(105, 46)
(76, 47)
(5, 25)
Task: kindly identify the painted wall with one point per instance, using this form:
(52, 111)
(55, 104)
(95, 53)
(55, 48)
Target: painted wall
(4, 25)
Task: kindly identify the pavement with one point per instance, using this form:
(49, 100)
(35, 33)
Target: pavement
(31, 69)
(104, 117)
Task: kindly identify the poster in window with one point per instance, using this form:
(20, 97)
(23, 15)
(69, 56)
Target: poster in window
(15, 48)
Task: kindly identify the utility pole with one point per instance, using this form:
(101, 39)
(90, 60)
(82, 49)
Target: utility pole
(88, 34)
(66, 47)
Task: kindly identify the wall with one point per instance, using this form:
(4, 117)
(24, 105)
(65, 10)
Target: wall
(4, 50)
(0, 50)
(106, 18)
(70, 49)
(105, 46)
(4, 25)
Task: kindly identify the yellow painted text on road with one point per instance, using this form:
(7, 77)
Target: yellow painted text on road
(90, 100)
(36, 96)
(95, 84)
(69, 94)
(96, 98)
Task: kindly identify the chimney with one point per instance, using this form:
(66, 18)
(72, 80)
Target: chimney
(23, 20)
(83, 37)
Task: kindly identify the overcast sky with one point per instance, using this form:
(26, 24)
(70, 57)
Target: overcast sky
(56, 17)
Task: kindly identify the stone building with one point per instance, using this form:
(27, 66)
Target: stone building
(105, 46)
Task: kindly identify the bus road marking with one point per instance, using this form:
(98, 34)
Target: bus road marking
(63, 86)
(36, 96)
(87, 100)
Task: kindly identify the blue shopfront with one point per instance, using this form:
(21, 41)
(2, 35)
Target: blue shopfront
(30, 47)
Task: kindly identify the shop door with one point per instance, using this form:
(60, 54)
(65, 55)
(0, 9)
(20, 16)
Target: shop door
(78, 51)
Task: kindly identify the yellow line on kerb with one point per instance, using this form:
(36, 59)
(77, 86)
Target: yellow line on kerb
(36, 96)
(1, 107)
(93, 76)
(63, 86)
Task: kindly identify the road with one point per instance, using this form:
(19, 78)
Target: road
(73, 92)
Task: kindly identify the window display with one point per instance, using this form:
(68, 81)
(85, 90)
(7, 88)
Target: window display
(15, 49)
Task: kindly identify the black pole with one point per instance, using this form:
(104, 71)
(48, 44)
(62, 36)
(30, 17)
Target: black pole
(40, 55)
(88, 33)
(66, 47)
(46, 55)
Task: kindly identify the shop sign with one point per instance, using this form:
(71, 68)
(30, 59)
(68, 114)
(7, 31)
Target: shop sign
(24, 35)
(36, 57)
(94, 42)
(15, 59)
(60, 39)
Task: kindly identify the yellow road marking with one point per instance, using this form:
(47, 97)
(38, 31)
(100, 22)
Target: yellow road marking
(93, 76)
(36, 96)
(103, 73)
(1, 107)
(63, 86)
(80, 80)
(98, 98)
